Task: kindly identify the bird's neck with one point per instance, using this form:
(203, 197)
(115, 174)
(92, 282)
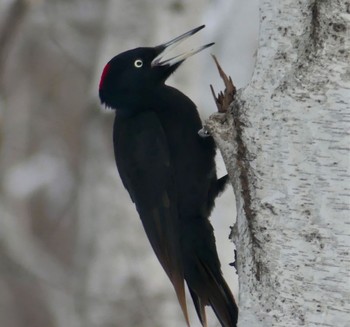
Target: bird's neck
(129, 111)
(141, 102)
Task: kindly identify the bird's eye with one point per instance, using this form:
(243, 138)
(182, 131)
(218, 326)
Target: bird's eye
(138, 63)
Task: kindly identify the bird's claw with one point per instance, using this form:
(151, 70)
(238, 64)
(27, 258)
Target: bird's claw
(203, 132)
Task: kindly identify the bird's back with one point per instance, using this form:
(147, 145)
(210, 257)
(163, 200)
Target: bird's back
(192, 156)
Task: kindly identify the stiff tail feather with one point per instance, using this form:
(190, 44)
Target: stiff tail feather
(200, 307)
(221, 299)
(217, 294)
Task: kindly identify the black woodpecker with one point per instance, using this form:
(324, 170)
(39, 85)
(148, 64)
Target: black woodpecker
(169, 172)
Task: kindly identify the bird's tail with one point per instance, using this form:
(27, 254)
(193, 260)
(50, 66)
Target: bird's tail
(218, 295)
(200, 307)
(224, 305)
(204, 278)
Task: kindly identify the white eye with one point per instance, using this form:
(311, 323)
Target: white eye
(138, 63)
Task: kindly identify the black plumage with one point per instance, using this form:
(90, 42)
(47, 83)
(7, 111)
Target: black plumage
(169, 172)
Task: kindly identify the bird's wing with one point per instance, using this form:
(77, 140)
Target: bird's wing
(144, 164)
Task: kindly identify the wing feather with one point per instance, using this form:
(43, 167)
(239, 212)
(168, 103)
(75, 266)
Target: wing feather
(144, 164)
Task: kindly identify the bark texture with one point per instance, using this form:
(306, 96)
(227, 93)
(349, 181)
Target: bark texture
(286, 147)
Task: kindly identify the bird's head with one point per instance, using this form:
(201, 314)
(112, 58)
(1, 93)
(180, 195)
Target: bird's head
(128, 79)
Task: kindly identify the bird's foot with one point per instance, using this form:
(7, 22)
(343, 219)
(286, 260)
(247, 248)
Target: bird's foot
(203, 132)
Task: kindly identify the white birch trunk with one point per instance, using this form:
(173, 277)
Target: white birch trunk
(286, 147)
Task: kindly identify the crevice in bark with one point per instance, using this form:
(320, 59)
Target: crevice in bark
(315, 24)
(231, 129)
(245, 176)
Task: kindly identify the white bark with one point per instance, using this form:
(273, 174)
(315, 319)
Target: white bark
(286, 147)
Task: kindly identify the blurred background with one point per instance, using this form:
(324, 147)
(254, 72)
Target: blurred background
(72, 249)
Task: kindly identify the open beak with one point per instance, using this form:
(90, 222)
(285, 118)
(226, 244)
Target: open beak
(168, 46)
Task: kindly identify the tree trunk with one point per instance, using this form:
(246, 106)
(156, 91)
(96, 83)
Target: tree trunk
(286, 147)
